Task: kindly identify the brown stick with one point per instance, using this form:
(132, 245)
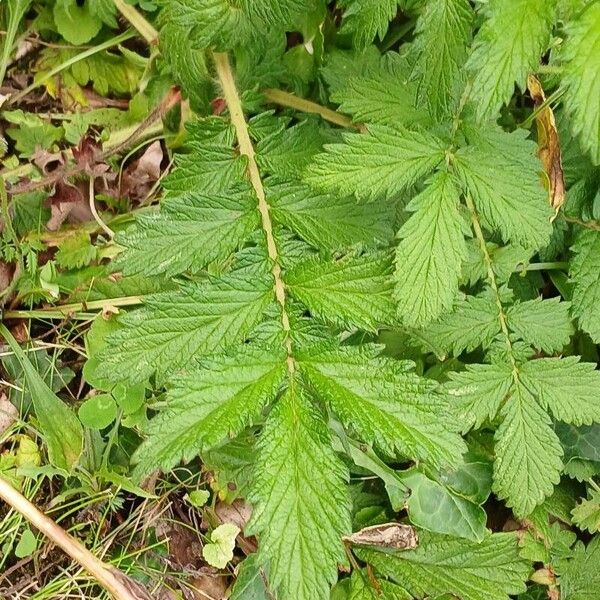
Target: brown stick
(114, 582)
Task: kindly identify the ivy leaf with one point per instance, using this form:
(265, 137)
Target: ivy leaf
(98, 411)
(301, 504)
(499, 60)
(430, 254)
(490, 570)
(76, 22)
(376, 165)
(222, 543)
(439, 509)
(581, 79)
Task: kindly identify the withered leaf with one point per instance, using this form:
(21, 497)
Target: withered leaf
(396, 536)
(548, 144)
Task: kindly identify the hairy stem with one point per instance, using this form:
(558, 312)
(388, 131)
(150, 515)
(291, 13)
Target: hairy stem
(138, 22)
(491, 275)
(291, 101)
(234, 104)
(117, 584)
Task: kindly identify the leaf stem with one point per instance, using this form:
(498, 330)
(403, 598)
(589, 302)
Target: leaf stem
(301, 104)
(234, 104)
(110, 579)
(493, 284)
(138, 22)
(65, 310)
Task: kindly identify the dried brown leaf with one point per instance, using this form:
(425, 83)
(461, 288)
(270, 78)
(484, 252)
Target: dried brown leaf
(396, 536)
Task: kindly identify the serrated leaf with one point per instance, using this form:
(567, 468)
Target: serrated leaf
(490, 570)
(430, 254)
(386, 405)
(474, 322)
(568, 388)
(76, 251)
(477, 393)
(377, 165)
(499, 60)
(442, 37)
(301, 504)
(528, 454)
(383, 98)
(585, 272)
(218, 398)
(500, 172)
(174, 327)
(545, 324)
(329, 222)
(287, 152)
(365, 19)
(191, 231)
(580, 577)
(581, 78)
(351, 292)
(586, 515)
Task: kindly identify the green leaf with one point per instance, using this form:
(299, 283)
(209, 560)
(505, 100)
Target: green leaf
(351, 292)
(581, 79)
(383, 98)
(586, 515)
(198, 498)
(361, 587)
(219, 398)
(376, 165)
(301, 504)
(474, 322)
(60, 427)
(430, 254)
(385, 404)
(365, 19)
(222, 543)
(442, 37)
(545, 324)
(584, 269)
(528, 454)
(568, 388)
(75, 21)
(98, 411)
(250, 582)
(439, 509)
(580, 577)
(330, 222)
(500, 171)
(490, 570)
(478, 392)
(500, 60)
(173, 327)
(206, 229)
(76, 251)
(27, 544)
